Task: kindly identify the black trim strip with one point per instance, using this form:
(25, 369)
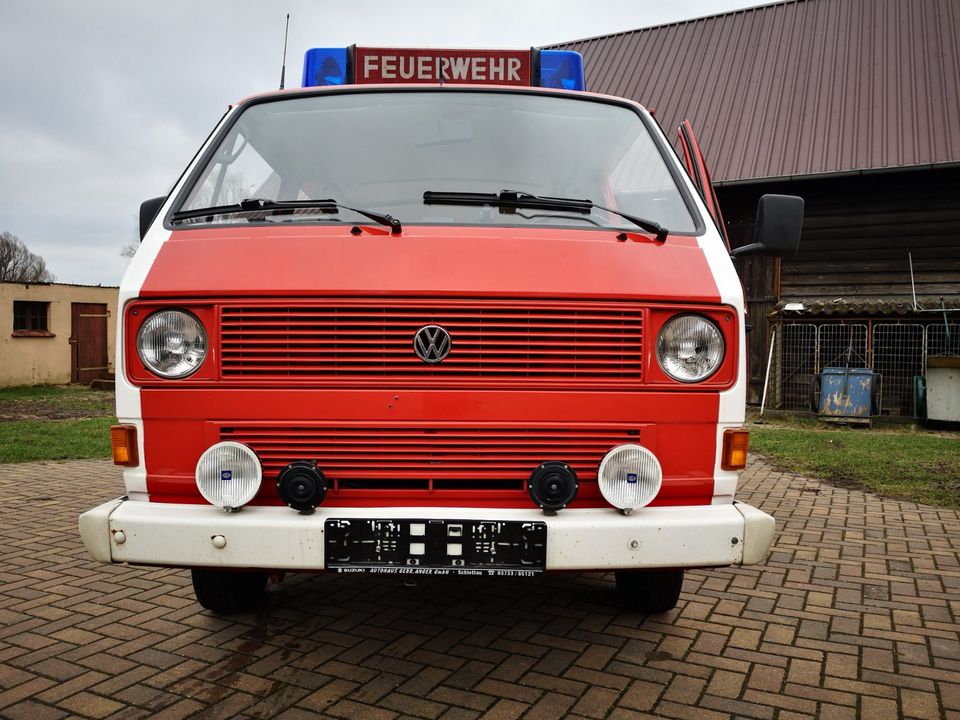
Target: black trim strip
(535, 66)
(349, 71)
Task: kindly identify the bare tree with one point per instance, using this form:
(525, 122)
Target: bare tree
(130, 249)
(18, 264)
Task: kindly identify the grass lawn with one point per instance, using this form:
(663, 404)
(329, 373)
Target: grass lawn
(54, 422)
(32, 440)
(904, 463)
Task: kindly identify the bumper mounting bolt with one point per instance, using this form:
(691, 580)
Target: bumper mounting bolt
(119, 537)
(219, 542)
(634, 544)
(734, 541)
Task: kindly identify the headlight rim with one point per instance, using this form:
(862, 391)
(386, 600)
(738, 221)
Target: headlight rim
(148, 366)
(710, 321)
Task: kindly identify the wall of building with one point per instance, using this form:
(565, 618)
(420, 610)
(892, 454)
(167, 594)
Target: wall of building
(34, 360)
(860, 233)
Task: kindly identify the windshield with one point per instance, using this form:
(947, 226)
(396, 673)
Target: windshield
(381, 151)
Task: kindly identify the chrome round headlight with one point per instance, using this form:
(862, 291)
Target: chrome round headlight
(172, 343)
(690, 348)
(629, 477)
(228, 475)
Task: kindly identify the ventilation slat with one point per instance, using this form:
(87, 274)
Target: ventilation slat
(465, 458)
(575, 345)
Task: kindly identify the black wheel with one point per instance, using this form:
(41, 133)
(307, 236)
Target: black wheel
(652, 591)
(815, 393)
(225, 592)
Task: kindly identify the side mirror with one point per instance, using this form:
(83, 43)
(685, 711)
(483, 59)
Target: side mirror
(148, 211)
(777, 228)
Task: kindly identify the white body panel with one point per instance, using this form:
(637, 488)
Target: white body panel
(280, 538)
(128, 395)
(732, 410)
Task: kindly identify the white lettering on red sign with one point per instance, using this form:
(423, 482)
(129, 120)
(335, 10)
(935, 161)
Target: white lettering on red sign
(387, 67)
(370, 64)
(503, 67)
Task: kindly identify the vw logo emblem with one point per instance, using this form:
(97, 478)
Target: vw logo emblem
(432, 343)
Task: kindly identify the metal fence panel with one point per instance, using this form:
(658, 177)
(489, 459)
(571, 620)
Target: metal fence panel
(943, 339)
(898, 358)
(897, 352)
(796, 363)
(842, 346)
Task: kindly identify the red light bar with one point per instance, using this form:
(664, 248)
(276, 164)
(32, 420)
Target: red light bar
(411, 65)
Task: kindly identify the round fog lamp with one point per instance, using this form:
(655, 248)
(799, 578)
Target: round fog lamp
(228, 475)
(629, 477)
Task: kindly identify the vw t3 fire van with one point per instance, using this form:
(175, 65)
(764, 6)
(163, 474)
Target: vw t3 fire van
(436, 312)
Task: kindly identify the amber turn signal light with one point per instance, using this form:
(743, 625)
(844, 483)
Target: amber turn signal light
(123, 442)
(735, 442)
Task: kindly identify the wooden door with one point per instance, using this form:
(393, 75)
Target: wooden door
(88, 342)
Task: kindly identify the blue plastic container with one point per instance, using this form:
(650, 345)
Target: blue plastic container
(846, 393)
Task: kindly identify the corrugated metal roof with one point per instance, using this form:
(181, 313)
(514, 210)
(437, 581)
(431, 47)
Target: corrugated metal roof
(798, 88)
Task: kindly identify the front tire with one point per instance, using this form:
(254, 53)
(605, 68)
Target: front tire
(652, 591)
(226, 592)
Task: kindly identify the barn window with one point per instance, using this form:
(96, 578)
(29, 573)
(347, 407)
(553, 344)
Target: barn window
(30, 317)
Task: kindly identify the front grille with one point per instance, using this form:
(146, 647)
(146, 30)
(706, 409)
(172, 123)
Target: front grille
(439, 458)
(495, 343)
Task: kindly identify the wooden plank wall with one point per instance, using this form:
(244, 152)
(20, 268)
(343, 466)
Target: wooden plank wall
(858, 231)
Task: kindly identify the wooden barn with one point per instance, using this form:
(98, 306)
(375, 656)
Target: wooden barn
(855, 106)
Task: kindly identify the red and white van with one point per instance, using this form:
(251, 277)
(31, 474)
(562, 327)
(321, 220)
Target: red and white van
(437, 312)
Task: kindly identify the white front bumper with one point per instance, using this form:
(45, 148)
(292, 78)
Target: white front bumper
(279, 538)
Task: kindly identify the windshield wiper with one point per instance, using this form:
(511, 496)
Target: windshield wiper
(253, 205)
(510, 199)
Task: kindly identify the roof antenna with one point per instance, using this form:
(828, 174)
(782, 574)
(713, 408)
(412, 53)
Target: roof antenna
(283, 67)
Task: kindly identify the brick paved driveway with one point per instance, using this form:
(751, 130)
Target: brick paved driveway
(855, 614)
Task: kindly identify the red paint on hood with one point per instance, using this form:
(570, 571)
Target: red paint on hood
(446, 261)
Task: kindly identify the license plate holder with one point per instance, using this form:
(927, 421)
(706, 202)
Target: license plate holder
(435, 547)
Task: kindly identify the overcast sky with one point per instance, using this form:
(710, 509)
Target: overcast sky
(102, 104)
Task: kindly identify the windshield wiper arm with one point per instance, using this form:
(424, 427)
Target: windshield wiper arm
(507, 199)
(517, 199)
(326, 205)
(255, 205)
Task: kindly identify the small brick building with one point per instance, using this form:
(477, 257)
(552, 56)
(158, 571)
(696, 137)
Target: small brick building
(56, 333)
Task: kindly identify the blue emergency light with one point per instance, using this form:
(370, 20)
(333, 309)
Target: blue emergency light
(325, 66)
(560, 69)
